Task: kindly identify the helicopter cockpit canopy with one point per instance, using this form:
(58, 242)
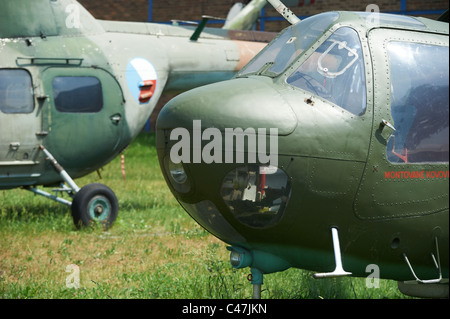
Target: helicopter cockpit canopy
(289, 45)
(334, 71)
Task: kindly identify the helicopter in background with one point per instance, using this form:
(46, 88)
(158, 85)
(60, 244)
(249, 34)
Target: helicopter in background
(329, 152)
(75, 91)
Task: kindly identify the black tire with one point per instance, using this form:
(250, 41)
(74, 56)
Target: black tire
(94, 203)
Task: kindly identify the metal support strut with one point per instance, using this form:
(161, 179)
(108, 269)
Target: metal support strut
(71, 190)
(437, 264)
(50, 196)
(257, 281)
(60, 170)
(339, 270)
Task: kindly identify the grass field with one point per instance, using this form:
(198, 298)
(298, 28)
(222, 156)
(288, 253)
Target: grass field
(154, 250)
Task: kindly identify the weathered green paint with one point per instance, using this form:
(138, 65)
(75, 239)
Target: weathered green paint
(336, 163)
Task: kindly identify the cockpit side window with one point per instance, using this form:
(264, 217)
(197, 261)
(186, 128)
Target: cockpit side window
(78, 94)
(419, 103)
(335, 72)
(16, 91)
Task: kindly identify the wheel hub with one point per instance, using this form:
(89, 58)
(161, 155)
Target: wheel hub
(99, 208)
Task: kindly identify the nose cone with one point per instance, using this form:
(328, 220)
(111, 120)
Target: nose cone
(238, 103)
(217, 193)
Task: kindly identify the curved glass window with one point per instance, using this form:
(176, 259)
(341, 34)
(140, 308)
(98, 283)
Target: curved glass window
(419, 103)
(209, 217)
(392, 19)
(335, 72)
(256, 195)
(78, 94)
(277, 56)
(16, 92)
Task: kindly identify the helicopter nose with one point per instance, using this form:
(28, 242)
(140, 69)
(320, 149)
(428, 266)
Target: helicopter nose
(209, 190)
(238, 103)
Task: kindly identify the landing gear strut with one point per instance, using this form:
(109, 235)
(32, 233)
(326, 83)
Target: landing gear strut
(91, 204)
(257, 281)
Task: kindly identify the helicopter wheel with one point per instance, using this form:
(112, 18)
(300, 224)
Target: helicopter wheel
(94, 203)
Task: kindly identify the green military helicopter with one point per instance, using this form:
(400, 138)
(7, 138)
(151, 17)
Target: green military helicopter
(75, 91)
(329, 152)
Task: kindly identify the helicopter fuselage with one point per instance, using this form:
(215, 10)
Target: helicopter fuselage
(360, 111)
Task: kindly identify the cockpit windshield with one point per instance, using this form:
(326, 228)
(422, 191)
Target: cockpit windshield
(294, 40)
(335, 72)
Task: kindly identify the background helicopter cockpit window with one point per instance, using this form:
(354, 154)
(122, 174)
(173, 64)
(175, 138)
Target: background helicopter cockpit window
(78, 94)
(284, 49)
(335, 72)
(16, 91)
(419, 103)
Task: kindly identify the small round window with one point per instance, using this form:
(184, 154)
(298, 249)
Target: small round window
(256, 195)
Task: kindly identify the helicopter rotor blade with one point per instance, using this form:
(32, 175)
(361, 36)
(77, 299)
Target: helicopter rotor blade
(284, 11)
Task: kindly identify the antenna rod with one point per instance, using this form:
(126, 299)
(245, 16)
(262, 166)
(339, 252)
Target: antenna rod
(284, 11)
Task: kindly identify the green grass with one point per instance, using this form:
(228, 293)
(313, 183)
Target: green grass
(154, 250)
